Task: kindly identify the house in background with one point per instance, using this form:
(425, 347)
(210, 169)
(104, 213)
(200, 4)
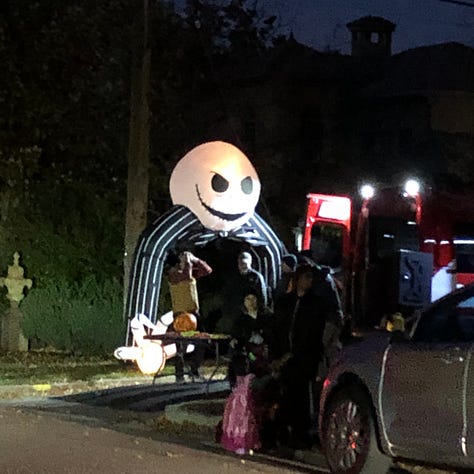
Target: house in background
(312, 120)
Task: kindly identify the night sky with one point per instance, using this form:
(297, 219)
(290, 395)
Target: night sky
(321, 23)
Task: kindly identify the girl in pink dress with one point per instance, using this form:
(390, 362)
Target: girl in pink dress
(240, 425)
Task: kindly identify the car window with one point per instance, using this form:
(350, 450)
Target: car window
(452, 321)
(465, 315)
(432, 327)
(468, 303)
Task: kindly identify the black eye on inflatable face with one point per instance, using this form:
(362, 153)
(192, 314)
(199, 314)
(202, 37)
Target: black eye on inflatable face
(219, 184)
(247, 185)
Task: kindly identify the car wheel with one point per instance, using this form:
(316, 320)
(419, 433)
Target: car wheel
(348, 436)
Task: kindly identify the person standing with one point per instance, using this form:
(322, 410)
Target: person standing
(251, 281)
(240, 284)
(184, 299)
(182, 282)
(300, 318)
(251, 335)
(241, 420)
(288, 267)
(253, 323)
(325, 287)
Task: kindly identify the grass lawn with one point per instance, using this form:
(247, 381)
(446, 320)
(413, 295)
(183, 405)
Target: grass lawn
(38, 367)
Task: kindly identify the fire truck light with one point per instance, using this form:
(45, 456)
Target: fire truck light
(412, 187)
(463, 242)
(339, 209)
(367, 191)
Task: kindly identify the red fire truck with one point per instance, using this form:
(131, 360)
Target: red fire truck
(394, 249)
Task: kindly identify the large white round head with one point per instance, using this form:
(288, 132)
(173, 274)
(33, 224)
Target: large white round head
(217, 182)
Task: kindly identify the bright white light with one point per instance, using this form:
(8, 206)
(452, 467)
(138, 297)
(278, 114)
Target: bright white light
(339, 209)
(151, 359)
(412, 187)
(367, 191)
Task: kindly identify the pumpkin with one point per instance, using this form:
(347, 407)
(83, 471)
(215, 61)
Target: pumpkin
(185, 322)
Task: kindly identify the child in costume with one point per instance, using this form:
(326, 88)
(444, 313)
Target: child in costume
(241, 424)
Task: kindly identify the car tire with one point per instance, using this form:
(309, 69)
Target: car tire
(349, 435)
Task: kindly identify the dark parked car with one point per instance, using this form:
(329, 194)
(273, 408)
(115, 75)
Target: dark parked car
(405, 396)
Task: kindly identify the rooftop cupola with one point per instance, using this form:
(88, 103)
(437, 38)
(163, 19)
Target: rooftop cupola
(371, 36)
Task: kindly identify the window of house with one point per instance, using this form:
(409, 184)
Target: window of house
(374, 38)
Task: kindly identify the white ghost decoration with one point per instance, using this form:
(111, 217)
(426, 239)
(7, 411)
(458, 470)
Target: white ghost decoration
(216, 182)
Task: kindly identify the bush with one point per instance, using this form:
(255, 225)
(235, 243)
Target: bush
(81, 318)
(71, 237)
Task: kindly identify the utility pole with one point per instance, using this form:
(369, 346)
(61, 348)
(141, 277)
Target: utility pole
(139, 141)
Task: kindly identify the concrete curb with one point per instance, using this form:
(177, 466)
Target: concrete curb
(69, 388)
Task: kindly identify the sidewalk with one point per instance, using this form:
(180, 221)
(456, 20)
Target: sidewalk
(68, 388)
(56, 389)
(201, 412)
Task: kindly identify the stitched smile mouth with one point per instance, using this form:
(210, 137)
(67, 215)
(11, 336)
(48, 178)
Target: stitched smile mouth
(214, 212)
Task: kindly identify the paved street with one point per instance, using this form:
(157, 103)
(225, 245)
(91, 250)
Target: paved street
(36, 442)
(119, 430)
(124, 430)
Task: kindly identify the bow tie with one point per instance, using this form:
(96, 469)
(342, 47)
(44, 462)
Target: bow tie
(200, 235)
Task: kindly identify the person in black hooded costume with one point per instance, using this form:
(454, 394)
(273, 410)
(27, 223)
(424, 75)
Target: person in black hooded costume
(300, 318)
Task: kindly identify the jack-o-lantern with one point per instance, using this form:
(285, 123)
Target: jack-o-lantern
(217, 182)
(185, 322)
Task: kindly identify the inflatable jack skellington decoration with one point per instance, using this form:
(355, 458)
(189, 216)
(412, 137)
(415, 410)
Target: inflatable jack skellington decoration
(214, 189)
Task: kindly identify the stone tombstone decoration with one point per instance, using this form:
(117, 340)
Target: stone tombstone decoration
(12, 338)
